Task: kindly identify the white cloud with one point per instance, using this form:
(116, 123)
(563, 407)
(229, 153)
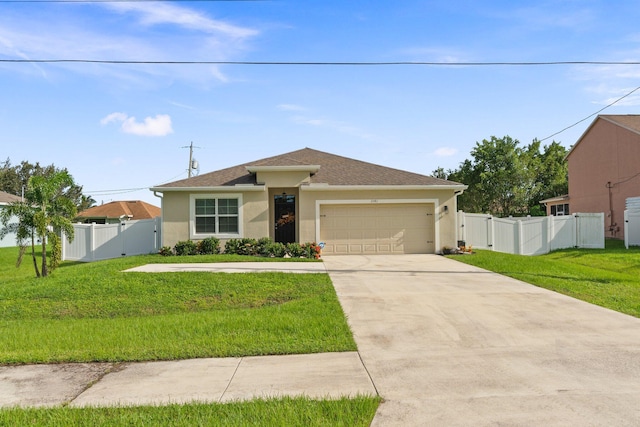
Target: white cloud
(290, 107)
(113, 117)
(160, 125)
(193, 35)
(159, 13)
(446, 152)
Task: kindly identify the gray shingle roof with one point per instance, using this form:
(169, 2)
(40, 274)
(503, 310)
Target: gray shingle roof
(6, 198)
(334, 170)
(629, 121)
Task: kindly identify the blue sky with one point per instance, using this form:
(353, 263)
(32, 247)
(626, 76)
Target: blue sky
(118, 127)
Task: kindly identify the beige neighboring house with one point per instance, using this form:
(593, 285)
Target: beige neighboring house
(353, 207)
(114, 212)
(604, 170)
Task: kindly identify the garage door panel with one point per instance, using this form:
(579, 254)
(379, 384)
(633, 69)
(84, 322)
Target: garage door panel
(384, 228)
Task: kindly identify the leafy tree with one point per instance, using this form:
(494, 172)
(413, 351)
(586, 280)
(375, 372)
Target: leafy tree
(14, 180)
(507, 179)
(45, 212)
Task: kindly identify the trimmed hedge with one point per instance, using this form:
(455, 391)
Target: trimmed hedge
(264, 247)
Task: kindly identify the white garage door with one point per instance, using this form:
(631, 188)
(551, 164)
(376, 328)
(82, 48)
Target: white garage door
(377, 229)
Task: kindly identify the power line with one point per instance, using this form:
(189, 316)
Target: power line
(316, 63)
(127, 190)
(591, 115)
(122, 1)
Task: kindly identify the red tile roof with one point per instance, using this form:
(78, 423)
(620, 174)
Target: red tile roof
(136, 208)
(334, 170)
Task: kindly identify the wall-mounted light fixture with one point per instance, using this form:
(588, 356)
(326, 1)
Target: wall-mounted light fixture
(446, 209)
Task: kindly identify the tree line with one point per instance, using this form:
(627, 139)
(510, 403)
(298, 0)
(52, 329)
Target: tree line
(506, 178)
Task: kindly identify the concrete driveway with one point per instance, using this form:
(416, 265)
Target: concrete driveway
(447, 344)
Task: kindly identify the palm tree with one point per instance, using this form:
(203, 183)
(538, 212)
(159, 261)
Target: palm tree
(45, 212)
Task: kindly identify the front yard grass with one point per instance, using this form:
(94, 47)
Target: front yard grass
(607, 277)
(95, 312)
(358, 411)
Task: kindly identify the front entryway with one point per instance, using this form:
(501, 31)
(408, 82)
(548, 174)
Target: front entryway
(285, 218)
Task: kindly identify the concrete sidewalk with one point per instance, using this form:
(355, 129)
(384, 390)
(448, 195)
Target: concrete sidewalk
(323, 375)
(234, 267)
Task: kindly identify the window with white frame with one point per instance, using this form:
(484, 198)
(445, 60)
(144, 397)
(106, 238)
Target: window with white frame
(215, 215)
(560, 210)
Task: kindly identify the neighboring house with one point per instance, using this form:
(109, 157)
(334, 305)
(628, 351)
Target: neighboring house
(6, 199)
(114, 212)
(312, 196)
(557, 206)
(604, 170)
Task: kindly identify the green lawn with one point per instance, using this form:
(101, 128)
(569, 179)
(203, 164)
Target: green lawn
(276, 412)
(89, 312)
(607, 277)
(95, 312)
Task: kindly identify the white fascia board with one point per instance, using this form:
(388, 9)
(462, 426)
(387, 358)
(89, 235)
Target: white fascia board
(327, 187)
(218, 189)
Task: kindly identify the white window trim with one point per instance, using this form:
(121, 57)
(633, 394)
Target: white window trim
(192, 216)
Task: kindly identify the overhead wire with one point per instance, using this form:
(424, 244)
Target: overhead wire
(591, 115)
(322, 63)
(127, 190)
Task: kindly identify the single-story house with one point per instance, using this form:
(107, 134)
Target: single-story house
(351, 206)
(6, 199)
(604, 170)
(115, 212)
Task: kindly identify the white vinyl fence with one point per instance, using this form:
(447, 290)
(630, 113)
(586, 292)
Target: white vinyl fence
(94, 242)
(632, 228)
(531, 235)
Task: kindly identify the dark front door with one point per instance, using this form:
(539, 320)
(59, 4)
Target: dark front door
(285, 217)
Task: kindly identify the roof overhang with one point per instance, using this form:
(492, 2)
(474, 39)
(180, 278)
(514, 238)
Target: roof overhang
(217, 189)
(555, 199)
(294, 168)
(327, 187)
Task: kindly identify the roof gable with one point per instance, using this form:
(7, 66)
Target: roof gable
(333, 170)
(134, 209)
(630, 122)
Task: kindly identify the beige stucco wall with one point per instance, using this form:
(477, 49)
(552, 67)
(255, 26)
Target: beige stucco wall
(258, 216)
(176, 215)
(607, 153)
(282, 179)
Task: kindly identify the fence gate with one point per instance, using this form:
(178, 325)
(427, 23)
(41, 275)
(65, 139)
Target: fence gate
(632, 228)
(94, 242)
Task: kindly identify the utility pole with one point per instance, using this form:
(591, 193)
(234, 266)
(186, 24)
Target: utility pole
(191, 161)
(190, 158)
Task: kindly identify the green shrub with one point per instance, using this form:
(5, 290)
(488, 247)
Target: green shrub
(274, 249)
(311, 250)
(166, 251)
(209, 246)
(243, 246)
(295, 250)
(263, 245)
(185, 247)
